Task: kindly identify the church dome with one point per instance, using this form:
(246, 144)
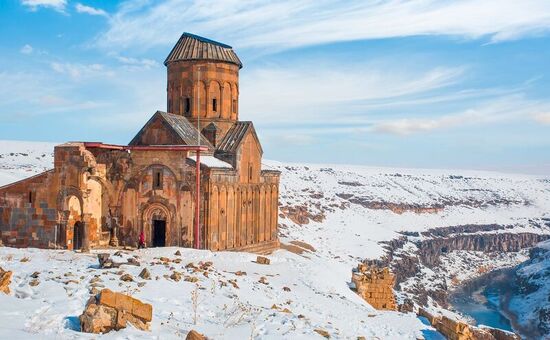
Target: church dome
(194, 47)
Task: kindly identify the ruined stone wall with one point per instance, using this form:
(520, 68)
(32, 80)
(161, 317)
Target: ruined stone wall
(28, 218)
(35, 211)
(457, 330)
(375, 285)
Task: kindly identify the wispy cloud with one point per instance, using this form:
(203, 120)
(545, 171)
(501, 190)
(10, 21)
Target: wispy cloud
(295, 23)
(27, 49)
(33, 5)
(302, 94)
(80, 8)
(77, 71)
(497, 110)
(543, 118)
(138, 63)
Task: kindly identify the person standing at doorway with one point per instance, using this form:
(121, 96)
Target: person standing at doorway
(141, 243)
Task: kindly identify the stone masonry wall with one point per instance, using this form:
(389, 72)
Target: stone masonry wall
(458, 330)
(375, 285)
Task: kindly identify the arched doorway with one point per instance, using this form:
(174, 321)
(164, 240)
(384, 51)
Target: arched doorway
(78, 235)
(158, 232)
(156, 225)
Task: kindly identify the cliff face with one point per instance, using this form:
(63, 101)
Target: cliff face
(430, 250)
(411, 255)
(530, 303)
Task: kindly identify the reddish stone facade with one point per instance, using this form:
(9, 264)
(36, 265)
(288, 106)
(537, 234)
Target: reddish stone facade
(98, 194)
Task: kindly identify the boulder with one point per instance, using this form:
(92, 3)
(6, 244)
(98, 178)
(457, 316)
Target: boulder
(194, 335)
(127, 278)
(145, 274)
(113, 311)
(263, 280)
(407, 306)
(176, 276)
(5, 280)
(133, 261)
(106, 262)
(322, 333)
(262, 260)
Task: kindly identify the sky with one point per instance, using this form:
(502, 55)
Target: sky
(421, 84)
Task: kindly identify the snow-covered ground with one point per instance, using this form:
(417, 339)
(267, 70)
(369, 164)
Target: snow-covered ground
(319, 297)
(351, 208)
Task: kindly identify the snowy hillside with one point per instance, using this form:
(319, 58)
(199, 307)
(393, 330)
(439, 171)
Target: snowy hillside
(23, 159)
(361, 206)
(331, 217)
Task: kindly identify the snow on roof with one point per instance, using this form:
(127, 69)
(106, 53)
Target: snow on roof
(212, 162)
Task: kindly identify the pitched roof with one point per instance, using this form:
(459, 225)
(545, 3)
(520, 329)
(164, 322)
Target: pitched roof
(194, 47)
(179, 125)
(234, 137)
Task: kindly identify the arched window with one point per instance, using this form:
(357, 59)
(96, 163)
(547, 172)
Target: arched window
(187, 104)
(157, 179)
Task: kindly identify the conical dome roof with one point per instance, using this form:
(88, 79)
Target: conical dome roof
(194, 47)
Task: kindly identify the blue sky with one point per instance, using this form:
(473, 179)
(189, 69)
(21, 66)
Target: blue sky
(432, 84)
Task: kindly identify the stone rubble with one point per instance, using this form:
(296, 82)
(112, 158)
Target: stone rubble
(113, 311)
(262, 260)
(5, 280)
(375, 285)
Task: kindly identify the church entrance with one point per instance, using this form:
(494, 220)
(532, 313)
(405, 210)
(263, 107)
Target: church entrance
(78, 235)
(159, 233)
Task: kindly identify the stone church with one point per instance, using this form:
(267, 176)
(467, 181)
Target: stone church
(191, 177)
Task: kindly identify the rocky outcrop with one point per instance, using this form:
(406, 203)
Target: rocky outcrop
(400, 208)
(301, 214)
(113, 311)
(458, 330)
(532, 284)
(375, 285)
(431, 249)
(434, 243)
(5, 280)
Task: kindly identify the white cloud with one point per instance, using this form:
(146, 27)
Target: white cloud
(80, 8)
(543, 118)
(294, 23)
(316, 94)
(77, 71)
(27, 49)
(495, 111)
(33, 5)
(138, 63)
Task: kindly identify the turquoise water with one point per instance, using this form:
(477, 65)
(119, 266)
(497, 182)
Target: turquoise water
(481, 299)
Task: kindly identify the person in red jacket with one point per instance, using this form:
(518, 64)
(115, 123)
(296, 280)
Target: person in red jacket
(141, 243)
